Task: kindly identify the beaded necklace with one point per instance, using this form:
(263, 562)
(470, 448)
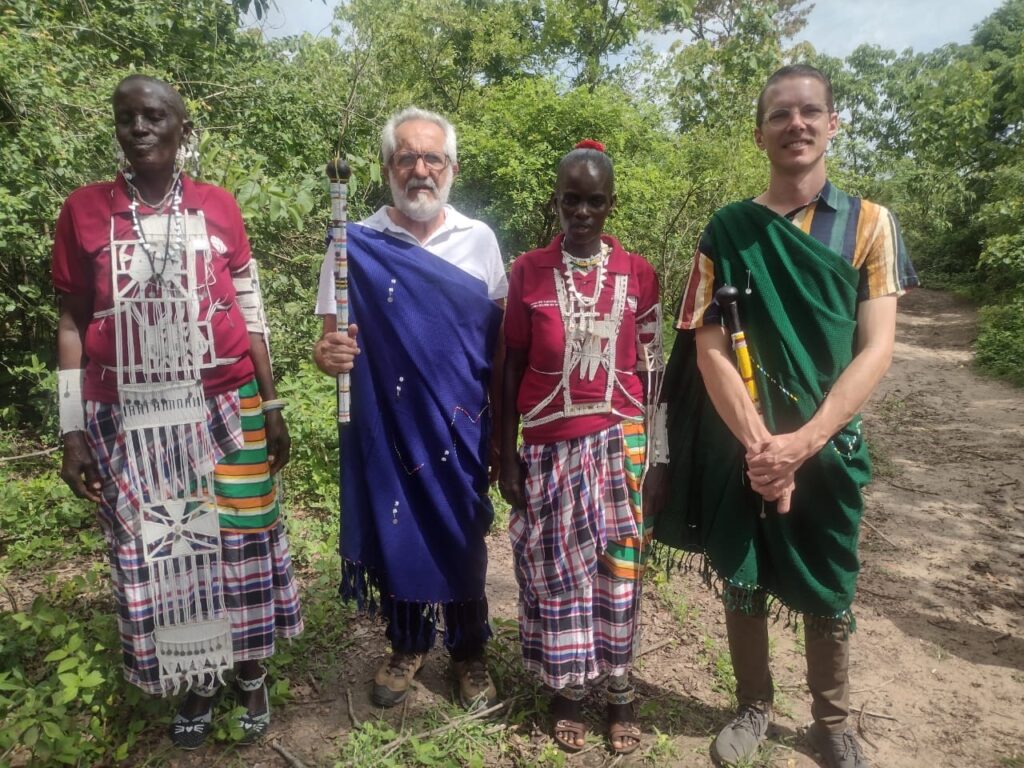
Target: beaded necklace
(173, 247)
(572, 264)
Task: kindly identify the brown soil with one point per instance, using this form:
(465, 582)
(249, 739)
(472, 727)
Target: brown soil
(938, 657)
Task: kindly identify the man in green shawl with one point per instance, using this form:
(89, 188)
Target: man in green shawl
(770, 492)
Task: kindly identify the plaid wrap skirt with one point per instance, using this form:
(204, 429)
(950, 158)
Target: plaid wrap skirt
(578, 553)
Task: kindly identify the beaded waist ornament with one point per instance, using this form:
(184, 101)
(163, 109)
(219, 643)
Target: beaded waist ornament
(162, 344)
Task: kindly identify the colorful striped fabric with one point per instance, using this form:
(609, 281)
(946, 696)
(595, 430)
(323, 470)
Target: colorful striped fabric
(625, 559)
(865, 234)
(246, 494)
(578, 555)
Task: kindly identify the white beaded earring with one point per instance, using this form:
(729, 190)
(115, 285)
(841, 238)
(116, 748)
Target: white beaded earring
(120, 161)
(187, 157)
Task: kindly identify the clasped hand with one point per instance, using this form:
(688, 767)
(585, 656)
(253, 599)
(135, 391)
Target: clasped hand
(772, 466)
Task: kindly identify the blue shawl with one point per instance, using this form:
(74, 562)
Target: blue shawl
(414, 506)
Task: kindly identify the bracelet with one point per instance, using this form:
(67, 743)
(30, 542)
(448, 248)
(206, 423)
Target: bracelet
(70, 405)
(273, 405)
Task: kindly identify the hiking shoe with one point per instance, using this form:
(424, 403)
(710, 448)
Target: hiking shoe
(740, 739)
(476, 688)
(840, 750)
(393, 679)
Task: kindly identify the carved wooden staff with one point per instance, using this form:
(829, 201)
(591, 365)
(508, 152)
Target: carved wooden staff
(338, 172)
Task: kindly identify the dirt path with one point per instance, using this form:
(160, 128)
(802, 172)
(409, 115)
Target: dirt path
(938, 658)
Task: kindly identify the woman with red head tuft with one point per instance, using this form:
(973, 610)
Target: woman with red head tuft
(583, 368)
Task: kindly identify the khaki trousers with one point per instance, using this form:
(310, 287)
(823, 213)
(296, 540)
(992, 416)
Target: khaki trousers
(828, 660)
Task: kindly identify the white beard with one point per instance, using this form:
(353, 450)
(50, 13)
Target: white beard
(421, 206)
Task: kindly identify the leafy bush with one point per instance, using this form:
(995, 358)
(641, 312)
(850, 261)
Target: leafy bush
(62, 698)
(40, 516)
(1000, 345)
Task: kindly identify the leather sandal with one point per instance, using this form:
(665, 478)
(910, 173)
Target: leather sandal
(254, 726)
(571, 724)
(621, 725)
(623, 730)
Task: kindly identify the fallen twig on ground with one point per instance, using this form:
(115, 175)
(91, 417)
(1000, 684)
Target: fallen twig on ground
(44, 452)
(860, 727)
(885, 538)
(874, 714)
(873, 688)
(289, 758)
(321, 700)
(865, 590)
(455, 722)
(887, 481)
(351, 710)
(655, 647)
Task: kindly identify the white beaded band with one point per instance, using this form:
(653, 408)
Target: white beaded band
(69, 399)
(273, 405)
(658, 439)
(250, 300)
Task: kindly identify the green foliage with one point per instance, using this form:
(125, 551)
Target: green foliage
(61, 702)
(40, 516)
(312, 474)
(1002, 257)
(1000, 351)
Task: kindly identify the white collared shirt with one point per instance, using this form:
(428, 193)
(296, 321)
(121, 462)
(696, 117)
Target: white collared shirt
(463, 242)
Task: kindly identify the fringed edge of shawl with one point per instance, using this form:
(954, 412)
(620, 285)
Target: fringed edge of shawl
(361, 585)
(747, 599)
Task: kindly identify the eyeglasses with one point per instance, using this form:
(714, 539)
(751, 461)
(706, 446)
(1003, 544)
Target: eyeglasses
(808, 113)
(406, 161)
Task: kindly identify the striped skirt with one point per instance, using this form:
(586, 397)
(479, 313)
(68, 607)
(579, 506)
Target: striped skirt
(578, 550)
(258, 589)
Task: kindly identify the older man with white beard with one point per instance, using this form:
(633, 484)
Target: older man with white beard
(427, 290)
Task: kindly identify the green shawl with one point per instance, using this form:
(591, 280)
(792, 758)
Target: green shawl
(800, 320)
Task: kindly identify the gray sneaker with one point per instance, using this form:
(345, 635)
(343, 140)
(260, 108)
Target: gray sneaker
(840, 750)
(740, 739)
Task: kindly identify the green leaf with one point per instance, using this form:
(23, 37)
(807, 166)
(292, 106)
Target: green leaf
(30, 737)
(56, 655)
(68, 679)
(91, 680)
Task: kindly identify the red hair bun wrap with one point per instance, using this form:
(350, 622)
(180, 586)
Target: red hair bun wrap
(590, 144)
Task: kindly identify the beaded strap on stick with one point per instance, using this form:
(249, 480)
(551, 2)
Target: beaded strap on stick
(338, 172)
(728, 297)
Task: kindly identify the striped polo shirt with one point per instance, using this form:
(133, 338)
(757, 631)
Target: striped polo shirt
(865, 234)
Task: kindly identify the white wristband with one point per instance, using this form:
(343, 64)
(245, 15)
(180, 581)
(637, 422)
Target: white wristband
(69, 399)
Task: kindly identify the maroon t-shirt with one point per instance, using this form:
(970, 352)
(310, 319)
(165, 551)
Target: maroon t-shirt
(95, 213)
(533, 322)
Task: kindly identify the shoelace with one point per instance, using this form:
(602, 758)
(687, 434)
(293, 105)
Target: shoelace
(850, 746)
(402, 664)
(752, 719)
(477, 674)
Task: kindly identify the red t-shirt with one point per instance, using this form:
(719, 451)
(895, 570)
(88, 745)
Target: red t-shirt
(534, 322)
(82, 267)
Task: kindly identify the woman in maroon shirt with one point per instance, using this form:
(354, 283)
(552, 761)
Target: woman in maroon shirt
(583, 346)
(170, 419)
